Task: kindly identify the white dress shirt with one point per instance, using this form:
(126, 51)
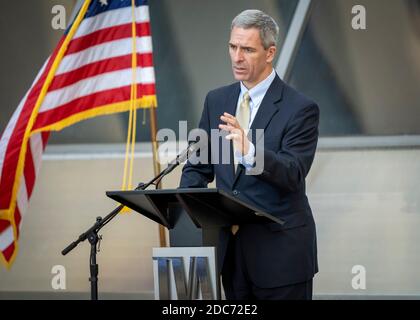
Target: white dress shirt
(257, 95)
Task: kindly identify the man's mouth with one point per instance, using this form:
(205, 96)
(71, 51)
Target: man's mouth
(239, 69)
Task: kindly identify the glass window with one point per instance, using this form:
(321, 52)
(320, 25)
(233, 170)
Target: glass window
(366, 82)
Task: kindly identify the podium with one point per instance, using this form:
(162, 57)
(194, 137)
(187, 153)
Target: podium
(195, 218)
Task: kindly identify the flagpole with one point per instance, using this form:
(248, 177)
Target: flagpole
(156, 165)
(153, 122)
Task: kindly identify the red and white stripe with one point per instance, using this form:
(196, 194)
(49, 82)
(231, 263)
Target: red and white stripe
(95, 71)
(98, 62)
(9, 152)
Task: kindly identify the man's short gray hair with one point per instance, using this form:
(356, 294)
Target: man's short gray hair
(269, 30)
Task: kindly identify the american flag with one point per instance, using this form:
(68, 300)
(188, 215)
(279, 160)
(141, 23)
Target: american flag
(102, 64)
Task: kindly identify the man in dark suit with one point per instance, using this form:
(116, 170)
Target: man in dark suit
(262, 261)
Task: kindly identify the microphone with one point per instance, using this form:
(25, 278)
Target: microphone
(183, 156)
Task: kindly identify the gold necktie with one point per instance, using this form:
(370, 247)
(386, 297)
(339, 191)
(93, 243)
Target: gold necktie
(242, 115)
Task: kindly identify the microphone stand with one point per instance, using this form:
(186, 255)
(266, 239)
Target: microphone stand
(92, 233)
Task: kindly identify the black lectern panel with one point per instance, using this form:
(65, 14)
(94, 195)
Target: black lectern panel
(195, 217)
(205, 206)
(184, 232)
(140, 202)
(236, 211)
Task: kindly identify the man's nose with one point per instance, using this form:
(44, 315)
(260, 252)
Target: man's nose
(238, 56)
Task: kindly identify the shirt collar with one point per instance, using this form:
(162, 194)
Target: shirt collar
(258, 92)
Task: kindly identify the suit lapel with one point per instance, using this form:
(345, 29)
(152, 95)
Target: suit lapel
(231, 104)
(266, 112)
(268, 108)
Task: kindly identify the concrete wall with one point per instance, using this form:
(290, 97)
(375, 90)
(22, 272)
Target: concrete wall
(367, 208)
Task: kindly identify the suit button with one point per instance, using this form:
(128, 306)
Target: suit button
(235, 192)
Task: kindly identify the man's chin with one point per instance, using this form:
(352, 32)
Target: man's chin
(239, 77)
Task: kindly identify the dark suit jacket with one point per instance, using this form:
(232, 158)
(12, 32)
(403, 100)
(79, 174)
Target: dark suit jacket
(275, 255)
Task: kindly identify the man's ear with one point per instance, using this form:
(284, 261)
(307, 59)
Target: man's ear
(271, 53)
